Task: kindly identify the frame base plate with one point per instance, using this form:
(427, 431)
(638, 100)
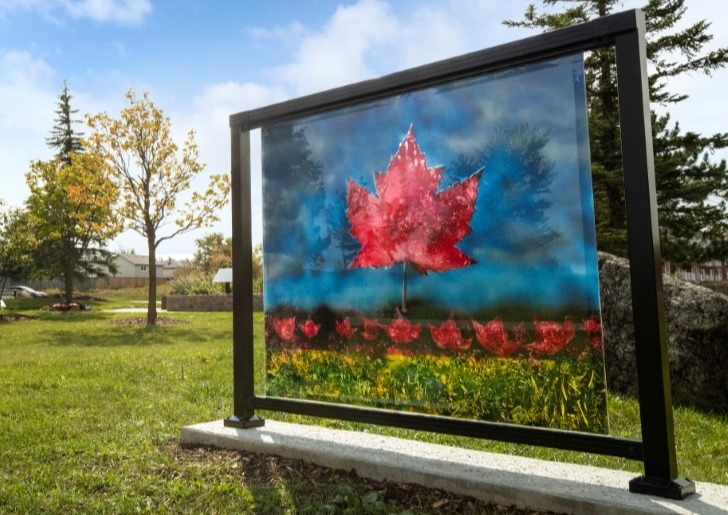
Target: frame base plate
(678, 488)
(243, 423)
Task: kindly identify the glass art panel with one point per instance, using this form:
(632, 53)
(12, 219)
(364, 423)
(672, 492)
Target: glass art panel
(435, 252)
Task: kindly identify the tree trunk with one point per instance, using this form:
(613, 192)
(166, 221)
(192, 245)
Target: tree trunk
(404, 287)
(68, 282)
(152, 299)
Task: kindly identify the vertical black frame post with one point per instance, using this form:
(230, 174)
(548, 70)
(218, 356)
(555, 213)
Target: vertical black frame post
(650, 328)
(243, 349)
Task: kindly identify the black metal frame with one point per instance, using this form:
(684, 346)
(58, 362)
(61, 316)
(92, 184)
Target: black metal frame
(626, 33)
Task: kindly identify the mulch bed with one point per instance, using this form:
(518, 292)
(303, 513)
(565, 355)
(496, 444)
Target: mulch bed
(143, 321)
(256, 469)
(66, 306)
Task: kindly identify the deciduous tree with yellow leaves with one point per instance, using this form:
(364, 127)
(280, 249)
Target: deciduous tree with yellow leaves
(153, 176)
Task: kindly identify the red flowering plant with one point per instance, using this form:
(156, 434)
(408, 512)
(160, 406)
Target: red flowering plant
(408, 221)
(494, 338)
(345, 329)
(309, 328)
(551, 337)
(593, 330)
(448, 336)
(371, 328)
(285, 328)
(401, 330)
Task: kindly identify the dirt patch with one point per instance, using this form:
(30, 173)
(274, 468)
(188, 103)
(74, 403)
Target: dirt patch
(13, 317)
(261, 469)
(143, 321)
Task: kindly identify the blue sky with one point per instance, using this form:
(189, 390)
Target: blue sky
(202, 61)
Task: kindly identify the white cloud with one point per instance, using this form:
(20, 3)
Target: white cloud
(428, 36)
(21, 68)
(125, 12)
(8, 6)
(282, 35)
(26, 117)
(369, 38)
(337, 54)
(210, 119)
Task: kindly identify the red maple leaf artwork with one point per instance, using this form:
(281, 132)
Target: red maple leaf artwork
(407, 220)
(551, 337)
(401, 330)
(371, 328)
(345, 329)
(449, 337)
(285, 328)
(494, 337)
(309, 328)
(594, 331)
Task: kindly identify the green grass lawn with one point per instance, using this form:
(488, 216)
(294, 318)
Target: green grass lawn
(90, 417)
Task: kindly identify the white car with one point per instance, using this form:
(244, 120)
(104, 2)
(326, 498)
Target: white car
(23, 291)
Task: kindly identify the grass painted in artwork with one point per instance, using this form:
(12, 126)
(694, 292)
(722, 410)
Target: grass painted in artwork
(544, 373)
(549, 393)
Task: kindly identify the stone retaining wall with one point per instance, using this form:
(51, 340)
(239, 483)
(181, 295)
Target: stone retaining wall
(205, 302)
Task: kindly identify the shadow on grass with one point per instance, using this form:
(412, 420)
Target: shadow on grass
(103, 334)
(40, 314)
(114, 337)
(27, 304)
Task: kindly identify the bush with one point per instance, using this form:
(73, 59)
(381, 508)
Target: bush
(192, 282)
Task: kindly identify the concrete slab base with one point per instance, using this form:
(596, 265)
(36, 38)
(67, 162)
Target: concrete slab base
(501, 479)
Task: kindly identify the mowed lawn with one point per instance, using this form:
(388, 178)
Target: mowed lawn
(91, 412)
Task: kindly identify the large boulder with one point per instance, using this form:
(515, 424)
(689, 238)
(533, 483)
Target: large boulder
(697, 328)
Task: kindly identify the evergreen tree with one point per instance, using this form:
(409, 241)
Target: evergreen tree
(63, 137)
(691, 188)
(70, 207)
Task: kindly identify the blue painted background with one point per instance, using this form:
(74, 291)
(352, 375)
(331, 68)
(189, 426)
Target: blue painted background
(533, 229)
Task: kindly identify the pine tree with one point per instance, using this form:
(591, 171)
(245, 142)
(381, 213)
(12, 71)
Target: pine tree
(63, 137)
(692, 189)
(71, 206)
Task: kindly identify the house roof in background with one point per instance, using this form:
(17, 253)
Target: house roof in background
(171, 263)
(135, 259)
(142, 260)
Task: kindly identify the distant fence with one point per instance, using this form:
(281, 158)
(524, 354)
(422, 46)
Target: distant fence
(91, 283)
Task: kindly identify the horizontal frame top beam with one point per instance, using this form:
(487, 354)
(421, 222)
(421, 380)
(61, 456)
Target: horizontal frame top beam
(587, 36)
